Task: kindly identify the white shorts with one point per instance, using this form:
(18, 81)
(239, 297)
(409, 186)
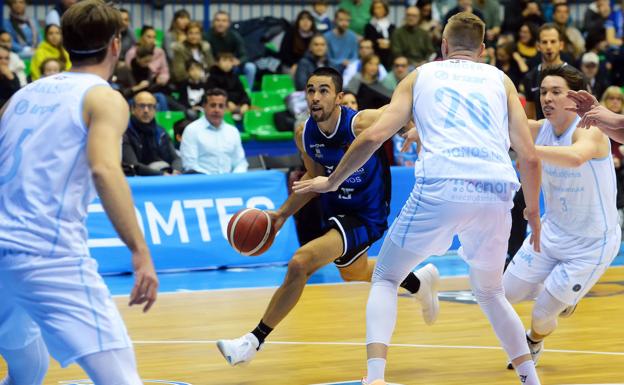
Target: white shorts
(568, 265)
(429, 221)
(64, 300)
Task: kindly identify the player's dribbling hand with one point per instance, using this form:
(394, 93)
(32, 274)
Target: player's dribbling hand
(145, 288)
(536, 228)
(320, 184)
(276, 220)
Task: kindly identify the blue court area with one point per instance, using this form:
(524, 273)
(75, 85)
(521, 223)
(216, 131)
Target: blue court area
(449, 265)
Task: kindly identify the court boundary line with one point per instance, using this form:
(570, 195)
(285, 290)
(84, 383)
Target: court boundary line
(338, 343)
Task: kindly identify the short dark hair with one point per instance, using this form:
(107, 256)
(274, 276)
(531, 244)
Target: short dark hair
(559, 5)
(341, 10)
(193, 63)
(225, 55)
(213, 92)
(88, 27)
(549, 26)
(573, 77)
(146, 28)
(335, 76)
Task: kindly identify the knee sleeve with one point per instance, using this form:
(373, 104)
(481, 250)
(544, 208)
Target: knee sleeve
(112, 367)
(381, 312)
(28, 365)
(518, 290)
(545, 312)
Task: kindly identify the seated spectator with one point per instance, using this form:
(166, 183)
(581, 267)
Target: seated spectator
(428, 23)
(573, 39)
(56, 13)
(411, 41)
(321, 16)
(178, 131)
(519, 12)
(147, 149)
(510, 62)
(16, 65)
(596, 78)
(367, 86)
(614, 26)
(50, 67)
(176, 34)
(379, 30)
(209, 145)
(342, 43)
(50, 48)
(359, 11)
(222, 38)
(9, 82)
(158, 64)
(365, 49)
(491, 10)
(22, 29)
(297, 40)
(222, 76)
(462, 6)
(527, 43)
(596, 17)
(139, 77)
(193, 89)
(400, 69)
(193, 48)
(349, 100)
(315, 57)
(128, 40)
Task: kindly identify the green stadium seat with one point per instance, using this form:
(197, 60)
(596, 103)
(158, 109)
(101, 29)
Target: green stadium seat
(243, 80)
(273, 101)
(272, 83)
(27, 66)
(261, 126)
(166, 119)
(159, 36)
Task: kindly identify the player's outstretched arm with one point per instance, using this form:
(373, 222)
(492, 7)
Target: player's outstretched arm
(106, 114)
(586, 145)
(528, 162)
(395, 116)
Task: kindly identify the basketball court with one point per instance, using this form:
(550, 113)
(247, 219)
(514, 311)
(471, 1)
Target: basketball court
(322, 340)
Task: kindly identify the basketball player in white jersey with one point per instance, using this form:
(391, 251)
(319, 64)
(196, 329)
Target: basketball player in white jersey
(467, 114)
(580, 229)
(60, 142)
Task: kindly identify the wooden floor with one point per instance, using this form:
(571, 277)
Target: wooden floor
(322, 340)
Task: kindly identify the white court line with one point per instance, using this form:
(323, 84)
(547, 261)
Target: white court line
(204, 342)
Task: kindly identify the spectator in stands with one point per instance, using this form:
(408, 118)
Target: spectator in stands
(367, 86)
(365, 49)
(574, 42)
(158, 65)
(192, 48)
(147, 149)
(342, 43)
(50, 67)
(527, 42)
(491, 10)
(209, 145)
(178, 131)
(50, 47)
(315, 57)
(222, 38)
(55, 14)
(615, 26)
(379, 30)
(222, 76)
(16, 65)
(510, 62)
(411, 41)
(462, 6)
(23, 30)
(596, 17)
(9, 82)
(518, 12)
(359, 12)
(428, 23)
(596, 78)
(321, 16)
(349, 100)
(193, 89)
(139, 77)
(128, 39)
(400, 69)
(613, 99)
(297, 40)
(176, 34)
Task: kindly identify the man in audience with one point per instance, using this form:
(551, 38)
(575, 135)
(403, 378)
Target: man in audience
(342, 43)
(574, 41)
(360, 14)
(127, 34)
(209, 145)
(9, 83)
(365, 49)
(16, 65)
(411, 41)
(147, 149)
(23, 29)
(590, 66)
(400, 69)
(222, 38)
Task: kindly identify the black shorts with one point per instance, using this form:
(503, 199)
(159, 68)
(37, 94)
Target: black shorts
(357, 237)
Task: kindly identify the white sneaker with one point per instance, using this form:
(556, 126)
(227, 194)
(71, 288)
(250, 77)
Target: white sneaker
(535, 349)
(427, 294)
(239, 351)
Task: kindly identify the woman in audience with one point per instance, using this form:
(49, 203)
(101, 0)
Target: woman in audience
(527, 42)
(428, 23)
(23, 30)
(297, 40)
(510, 62)
(378, 30)
(50, 48)
(158, 65)
(367, 86)
(176, 34)
(314, 58)
(193, 48)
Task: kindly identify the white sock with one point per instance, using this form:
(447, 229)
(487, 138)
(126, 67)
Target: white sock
(376, 369)
(526, 372)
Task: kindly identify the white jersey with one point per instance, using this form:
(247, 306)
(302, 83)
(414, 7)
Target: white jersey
(45, 181)
(581, 200)
(460, 110)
